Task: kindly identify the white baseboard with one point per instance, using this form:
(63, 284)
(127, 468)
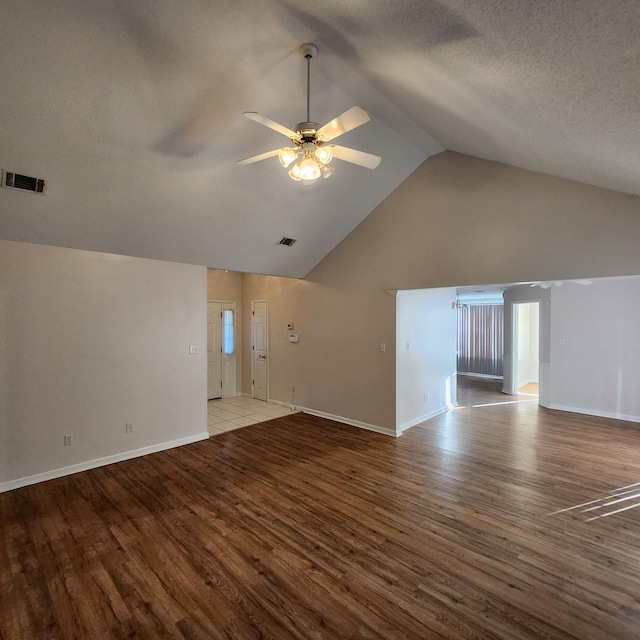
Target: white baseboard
(479, 375)
(99, 462)
(425, 417)
(287, 405)
(349, 421)
(331, 416)
(594, 412)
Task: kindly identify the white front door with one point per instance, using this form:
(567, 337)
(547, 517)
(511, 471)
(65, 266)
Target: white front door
(228, 349)
(259, 350)
(214, 350)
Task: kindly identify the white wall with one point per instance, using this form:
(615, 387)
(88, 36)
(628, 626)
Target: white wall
(89, 342)
(595, 348)
(425, 355)
(534, 343)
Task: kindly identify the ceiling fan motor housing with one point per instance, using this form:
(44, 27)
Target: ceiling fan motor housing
(307, 130)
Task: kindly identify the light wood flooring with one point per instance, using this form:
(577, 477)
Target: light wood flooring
(304, 528)
(529, 389)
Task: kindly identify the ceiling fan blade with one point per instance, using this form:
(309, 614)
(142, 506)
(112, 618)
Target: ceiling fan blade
(260, 119)
(361, 158)
(350, 119)
(262, 156)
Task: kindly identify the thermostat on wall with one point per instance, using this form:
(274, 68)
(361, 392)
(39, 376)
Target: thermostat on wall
(293, 337)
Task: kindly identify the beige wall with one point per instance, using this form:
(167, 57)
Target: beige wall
(457, 220)
(227, 285)
(224, 285)
(89, 342)
(336, 366)
(462, 220)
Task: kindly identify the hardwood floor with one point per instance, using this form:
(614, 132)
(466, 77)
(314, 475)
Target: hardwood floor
(305, 528)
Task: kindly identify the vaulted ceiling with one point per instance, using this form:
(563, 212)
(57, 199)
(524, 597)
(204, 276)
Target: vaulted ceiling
(132, 112)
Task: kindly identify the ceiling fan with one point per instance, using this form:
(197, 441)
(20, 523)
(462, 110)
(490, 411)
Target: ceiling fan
(310, 154)
(558, 283)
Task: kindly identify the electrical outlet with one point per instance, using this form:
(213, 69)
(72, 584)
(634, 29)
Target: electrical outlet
(68, 440)
(293, 389)
(128, 427)
(383, 347)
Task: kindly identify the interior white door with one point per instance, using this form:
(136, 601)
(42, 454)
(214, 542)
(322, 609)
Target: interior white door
(260, 349)
(214, 350)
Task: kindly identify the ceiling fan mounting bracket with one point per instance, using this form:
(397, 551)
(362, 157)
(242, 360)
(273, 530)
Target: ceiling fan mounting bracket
(309, 50)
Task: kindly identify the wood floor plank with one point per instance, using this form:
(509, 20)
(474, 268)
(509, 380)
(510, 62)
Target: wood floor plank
(303, 528)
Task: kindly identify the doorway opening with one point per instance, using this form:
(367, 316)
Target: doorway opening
(480, 331)
(526, 348)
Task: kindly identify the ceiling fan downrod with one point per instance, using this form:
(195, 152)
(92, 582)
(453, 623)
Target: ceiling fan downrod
(310, 154)
(308, 51)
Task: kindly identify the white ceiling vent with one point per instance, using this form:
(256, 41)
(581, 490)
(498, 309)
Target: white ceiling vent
(18, 181)
(287, 242)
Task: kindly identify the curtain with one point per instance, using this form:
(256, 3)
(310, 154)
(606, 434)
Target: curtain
(481, 339)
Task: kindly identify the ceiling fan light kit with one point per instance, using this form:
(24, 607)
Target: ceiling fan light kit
(310, 155)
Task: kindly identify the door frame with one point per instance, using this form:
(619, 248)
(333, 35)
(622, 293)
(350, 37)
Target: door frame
(230, 305)
(266, 342)
(524, 294)
(210, 302)
(515, 338)
(226, 304)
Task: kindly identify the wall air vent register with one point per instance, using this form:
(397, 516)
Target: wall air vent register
(19, 181)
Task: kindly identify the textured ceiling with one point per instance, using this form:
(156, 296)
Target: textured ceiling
(131, 110)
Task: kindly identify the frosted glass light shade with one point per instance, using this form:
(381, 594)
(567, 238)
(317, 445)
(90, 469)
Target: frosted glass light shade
(294, 172)
(326, 170)
(309, 169)
(324, 154)
(287, 156)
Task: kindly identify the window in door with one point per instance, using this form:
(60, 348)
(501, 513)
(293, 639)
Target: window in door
(229, 337)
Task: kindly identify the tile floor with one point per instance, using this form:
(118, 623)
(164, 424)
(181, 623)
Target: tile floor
(227, 414)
